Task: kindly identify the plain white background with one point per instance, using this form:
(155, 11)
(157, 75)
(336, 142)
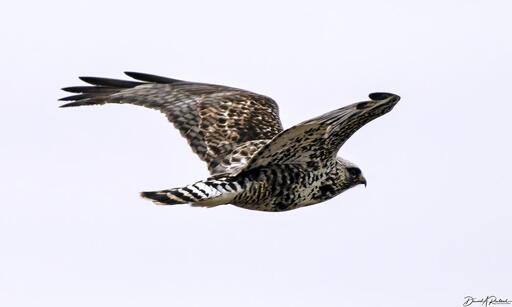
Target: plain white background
(433, 226)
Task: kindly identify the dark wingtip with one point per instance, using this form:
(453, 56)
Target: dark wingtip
(71, 104)
(150, 78)
(78, 100)
(109, 82)
(71, 89)
(90, 89)
(135, 75)
(383, 96)
(87, 79)
(75, 97)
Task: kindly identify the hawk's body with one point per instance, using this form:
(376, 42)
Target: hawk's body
(253, 162)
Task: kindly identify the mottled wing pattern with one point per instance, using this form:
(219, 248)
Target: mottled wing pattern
(217, 121)
(239, 157)
(318, 140)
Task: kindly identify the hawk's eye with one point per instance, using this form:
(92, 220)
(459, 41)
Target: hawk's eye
(354, 171)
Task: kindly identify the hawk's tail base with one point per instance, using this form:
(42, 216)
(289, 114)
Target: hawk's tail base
(208, 193)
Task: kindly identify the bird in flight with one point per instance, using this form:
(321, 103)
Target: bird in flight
(253, 162)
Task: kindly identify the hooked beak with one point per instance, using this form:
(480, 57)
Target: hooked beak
(362, 180)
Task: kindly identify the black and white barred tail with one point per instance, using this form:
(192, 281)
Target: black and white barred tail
(207, 193)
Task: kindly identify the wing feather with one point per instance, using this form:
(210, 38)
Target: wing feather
(214, 119)
(317, 141)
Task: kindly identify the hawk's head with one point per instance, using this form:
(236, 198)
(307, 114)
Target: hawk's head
(355, 176)
(350, 174)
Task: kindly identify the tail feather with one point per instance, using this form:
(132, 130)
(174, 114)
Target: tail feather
(164, 197)
(202, 194)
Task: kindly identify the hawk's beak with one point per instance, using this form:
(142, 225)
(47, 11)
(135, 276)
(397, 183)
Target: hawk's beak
(362, 180)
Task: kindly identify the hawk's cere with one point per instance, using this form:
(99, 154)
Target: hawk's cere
(254, 163)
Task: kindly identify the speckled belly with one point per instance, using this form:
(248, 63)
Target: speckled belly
(280, 188)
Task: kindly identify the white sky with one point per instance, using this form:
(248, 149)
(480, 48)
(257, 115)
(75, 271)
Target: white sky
(433, 226)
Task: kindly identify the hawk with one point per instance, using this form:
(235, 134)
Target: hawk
(254, 163)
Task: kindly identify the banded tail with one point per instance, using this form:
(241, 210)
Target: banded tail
(209, 193)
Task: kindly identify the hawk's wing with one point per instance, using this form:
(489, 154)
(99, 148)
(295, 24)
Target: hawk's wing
(318, 140)
(214, 119)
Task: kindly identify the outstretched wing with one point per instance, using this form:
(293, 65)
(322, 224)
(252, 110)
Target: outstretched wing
(318, 140)
(214, 119)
